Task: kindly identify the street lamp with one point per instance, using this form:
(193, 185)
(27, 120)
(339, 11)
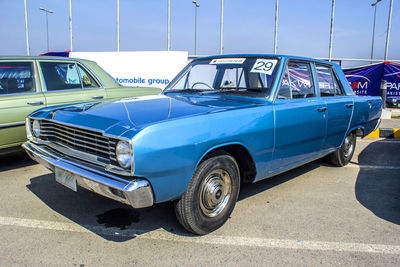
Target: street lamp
(195, 26)
(47, 24)
(373, 29)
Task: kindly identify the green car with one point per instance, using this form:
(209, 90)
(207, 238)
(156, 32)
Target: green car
(29, 83)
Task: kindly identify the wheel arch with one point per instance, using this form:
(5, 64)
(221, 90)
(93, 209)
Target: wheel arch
(242, 156)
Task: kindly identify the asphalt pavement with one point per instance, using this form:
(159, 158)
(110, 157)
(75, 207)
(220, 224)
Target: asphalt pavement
(317, 214)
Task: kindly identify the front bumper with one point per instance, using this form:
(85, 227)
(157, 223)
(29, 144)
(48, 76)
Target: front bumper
(135, 192)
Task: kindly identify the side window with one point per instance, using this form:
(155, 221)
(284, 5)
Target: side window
(297, 81)
(60, 76)
(87, 79)
(327, 83)
(16, 77)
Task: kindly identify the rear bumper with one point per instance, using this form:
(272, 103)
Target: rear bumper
(135, 192)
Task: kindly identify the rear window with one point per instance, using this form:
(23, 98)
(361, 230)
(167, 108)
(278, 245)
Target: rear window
(16, 77)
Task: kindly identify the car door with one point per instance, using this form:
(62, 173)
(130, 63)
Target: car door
(339, 106)
(19, 96)
(300, 118)
(61, 82)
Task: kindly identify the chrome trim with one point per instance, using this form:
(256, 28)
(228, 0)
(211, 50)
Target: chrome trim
(104, 162)
(136, 192)
(22, 93)
(92, 129)
(11, 125)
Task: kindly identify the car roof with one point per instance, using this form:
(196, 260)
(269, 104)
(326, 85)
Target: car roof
(267, 55)
(42, 58)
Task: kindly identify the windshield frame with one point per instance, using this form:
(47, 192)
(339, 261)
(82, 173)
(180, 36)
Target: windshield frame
(263, 93)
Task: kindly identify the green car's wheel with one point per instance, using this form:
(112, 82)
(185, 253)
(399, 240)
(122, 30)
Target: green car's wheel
(210, 196)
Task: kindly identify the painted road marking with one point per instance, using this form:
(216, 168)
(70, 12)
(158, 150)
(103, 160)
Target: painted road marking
(208, 239)
(380, 140)
(355, 165)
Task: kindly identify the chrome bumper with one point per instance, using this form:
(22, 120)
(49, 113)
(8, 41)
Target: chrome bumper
(136, 192)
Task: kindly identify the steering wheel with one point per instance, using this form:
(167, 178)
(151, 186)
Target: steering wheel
(202, 84)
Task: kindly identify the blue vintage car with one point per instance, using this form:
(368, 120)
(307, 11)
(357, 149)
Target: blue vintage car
(224, 120)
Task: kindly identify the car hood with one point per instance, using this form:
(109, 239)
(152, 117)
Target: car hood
(139, 112)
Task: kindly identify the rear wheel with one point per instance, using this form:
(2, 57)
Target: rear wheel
(343, 155)
(211, 195)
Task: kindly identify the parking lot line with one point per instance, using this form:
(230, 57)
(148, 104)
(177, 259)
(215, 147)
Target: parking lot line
(355, 165)
(208, 239)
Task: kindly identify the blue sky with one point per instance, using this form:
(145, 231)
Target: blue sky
(249, 26)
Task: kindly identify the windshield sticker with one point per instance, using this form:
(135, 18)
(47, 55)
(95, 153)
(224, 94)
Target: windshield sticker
(227, 61)
(264, 66)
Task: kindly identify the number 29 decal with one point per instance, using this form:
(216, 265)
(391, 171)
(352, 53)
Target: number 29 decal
(264, 66)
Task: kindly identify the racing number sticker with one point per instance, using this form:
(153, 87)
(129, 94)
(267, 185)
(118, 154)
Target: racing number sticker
(264, 66)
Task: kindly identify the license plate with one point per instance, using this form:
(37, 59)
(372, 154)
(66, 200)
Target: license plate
(66, 178)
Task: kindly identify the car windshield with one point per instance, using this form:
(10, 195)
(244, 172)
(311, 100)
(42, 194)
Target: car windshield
(251, 76)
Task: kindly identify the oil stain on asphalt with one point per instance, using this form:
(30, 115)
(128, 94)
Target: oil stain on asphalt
(120, 217)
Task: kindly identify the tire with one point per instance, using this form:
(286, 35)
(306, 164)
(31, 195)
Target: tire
(343, 155)
(211, 195)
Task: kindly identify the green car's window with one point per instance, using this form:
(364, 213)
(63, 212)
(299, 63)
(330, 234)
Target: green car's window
(60, 76)
(16, 77)
(87, 80)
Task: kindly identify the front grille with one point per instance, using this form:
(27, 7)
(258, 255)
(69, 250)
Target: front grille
(84, 140)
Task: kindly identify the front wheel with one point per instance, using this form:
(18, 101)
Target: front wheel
(343, 155)
(210, 196)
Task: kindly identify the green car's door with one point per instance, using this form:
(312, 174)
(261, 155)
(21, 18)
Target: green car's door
(19, 96)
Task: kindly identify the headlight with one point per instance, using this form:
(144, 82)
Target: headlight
(123, 153)
(36, 128)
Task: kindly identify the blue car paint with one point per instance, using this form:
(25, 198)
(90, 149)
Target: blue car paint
(172, 132)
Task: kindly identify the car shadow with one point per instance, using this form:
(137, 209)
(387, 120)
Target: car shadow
(107, 218)
(118, 222)
(249, 190)
(378, 190)
(14, 160)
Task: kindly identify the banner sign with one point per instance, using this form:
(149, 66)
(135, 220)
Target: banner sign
(365, 80)
(143, 68)
(392, 77)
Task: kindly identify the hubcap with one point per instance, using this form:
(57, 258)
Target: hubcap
(215, 192)
(348, 146)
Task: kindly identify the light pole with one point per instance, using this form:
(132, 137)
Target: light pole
(276, 27)
(221, 37)
(169, 26)
(47, 24)
(118, 25)
(388, 30)
(195, 25)
(26, 30)
(70, 25)
(331, 32)
(373, 29)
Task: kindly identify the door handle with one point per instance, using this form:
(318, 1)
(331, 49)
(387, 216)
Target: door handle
(349, 105)
(322, 109)
(36, 103)
(98, 97)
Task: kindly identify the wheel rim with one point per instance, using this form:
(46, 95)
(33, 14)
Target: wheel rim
(215, 192)
(348, 146)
